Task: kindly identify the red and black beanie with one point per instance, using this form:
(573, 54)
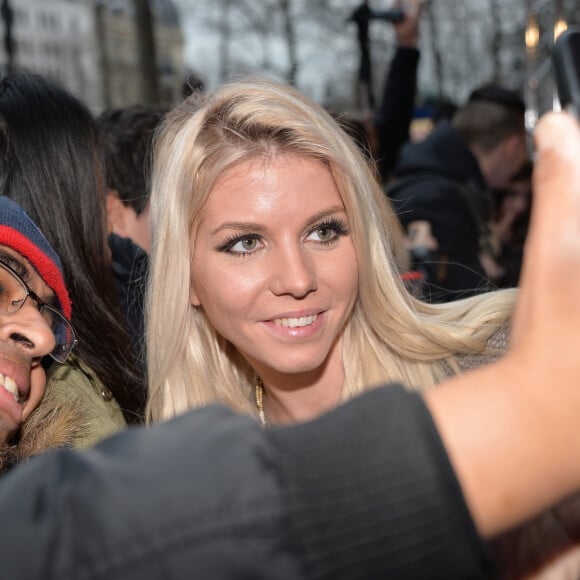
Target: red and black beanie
(19, 232)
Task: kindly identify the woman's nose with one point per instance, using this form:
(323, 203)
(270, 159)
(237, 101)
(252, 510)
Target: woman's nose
(294, 273)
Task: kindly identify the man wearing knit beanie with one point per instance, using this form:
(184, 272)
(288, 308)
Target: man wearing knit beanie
(35, 311)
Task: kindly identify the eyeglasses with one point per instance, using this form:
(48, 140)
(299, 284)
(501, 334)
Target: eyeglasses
(13, 294)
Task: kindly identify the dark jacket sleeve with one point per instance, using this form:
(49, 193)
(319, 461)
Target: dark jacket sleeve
(438, 201)
(372, 494)
(396, 109)
(364, 492)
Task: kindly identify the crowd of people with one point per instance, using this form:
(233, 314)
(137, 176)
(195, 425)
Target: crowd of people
(213, 299)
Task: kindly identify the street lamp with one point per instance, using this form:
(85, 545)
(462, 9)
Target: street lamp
(532, 34)
(560, 26)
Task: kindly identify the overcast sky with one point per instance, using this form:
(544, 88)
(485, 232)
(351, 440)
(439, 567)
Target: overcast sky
(319, 69)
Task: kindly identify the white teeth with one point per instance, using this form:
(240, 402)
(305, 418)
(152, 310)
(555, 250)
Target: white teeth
(296, 322)
(9, 385)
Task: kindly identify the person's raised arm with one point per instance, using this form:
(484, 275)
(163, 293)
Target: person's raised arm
(511, 429)
(400, 86)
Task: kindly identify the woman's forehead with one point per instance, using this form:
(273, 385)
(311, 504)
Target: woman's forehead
(256, 183)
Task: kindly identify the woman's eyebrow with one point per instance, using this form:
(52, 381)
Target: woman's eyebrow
(333, 210)
(259, 228)
(239, 226)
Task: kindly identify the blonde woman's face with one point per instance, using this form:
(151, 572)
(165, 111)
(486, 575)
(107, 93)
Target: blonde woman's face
(274, 266)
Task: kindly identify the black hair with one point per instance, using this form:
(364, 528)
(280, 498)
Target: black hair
(126, 135)
(52, 167)
(499, 95)
(491, 114)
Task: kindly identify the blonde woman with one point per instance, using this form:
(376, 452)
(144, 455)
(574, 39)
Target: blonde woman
(273, 283)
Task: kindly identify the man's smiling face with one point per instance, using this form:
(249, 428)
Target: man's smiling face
(25, 338)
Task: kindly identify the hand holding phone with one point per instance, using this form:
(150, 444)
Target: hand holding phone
(566, 62)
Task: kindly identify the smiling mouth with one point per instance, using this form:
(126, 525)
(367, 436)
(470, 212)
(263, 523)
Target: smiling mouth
(296, 322)
(9, 385)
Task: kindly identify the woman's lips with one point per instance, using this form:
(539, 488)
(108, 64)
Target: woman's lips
(296, 326)
(296, 322)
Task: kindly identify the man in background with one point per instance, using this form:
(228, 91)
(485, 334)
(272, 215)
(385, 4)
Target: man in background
(126, 136)
(447, 179)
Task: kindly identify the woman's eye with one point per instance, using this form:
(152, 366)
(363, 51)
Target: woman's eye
(241, 246)
(245, 245)
(325, 233)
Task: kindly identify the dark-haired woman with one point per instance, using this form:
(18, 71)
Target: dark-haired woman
(51, 165)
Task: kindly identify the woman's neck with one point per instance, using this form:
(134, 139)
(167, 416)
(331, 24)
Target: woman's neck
(302, 396)
(284, 408)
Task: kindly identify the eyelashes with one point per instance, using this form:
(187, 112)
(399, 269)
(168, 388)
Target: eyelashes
(247, 242)
(325, 233)
(333, 226)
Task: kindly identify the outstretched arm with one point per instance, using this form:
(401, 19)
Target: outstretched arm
(511, 428)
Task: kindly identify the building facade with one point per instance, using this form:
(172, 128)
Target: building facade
(91, 47)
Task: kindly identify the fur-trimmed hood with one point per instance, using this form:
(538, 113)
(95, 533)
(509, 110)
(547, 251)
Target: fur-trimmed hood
(52, 424)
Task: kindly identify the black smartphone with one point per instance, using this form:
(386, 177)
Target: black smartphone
(566, 66)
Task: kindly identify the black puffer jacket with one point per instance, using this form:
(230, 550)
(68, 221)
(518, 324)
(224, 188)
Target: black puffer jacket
(439, 180)
(366, 492)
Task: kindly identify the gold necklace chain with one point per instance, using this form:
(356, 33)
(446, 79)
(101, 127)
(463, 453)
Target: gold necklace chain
(259, 394)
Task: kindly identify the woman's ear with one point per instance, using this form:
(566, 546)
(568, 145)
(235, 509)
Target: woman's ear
(193, 299)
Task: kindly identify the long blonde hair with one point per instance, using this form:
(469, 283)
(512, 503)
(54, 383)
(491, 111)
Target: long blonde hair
(390, 336)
